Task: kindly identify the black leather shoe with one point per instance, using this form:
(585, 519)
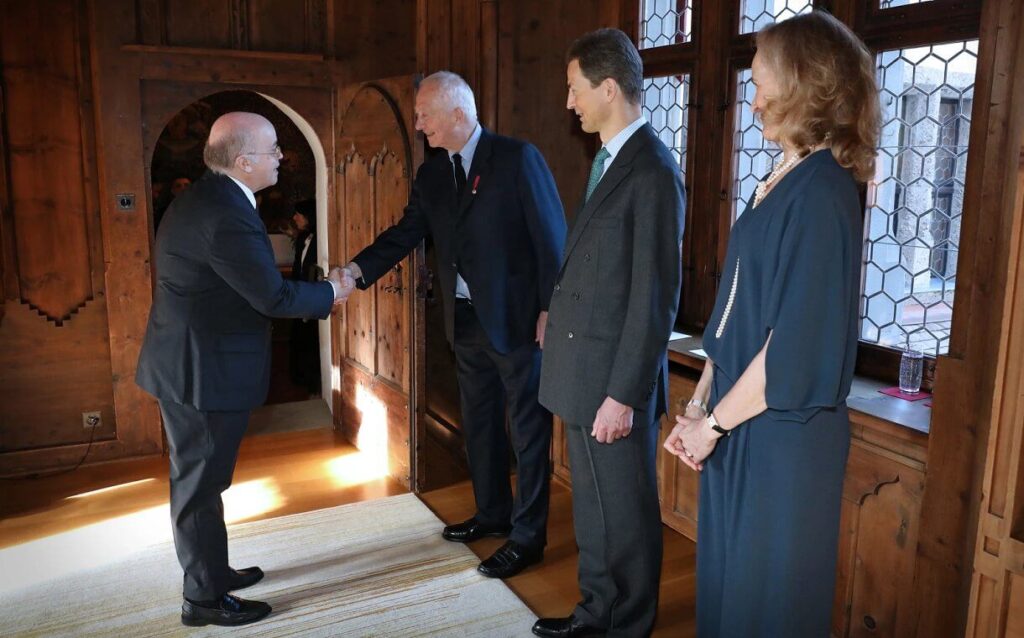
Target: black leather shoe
(471, 530)
(242, 578)
(510, 559)
(226, 611)
(571, 627)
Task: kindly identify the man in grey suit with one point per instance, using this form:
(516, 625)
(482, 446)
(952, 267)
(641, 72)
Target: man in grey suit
(206, 354)
(605, 367)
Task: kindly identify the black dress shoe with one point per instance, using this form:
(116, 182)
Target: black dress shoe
(242, 578)
(226, 611)
(510, 559)
(471, 530)
(571, 627)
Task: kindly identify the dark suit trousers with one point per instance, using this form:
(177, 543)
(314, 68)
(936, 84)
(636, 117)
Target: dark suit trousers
(618, 529)
(203, 449)
(486, 378)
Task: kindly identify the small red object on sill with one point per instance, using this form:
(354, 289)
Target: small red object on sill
(895, 392)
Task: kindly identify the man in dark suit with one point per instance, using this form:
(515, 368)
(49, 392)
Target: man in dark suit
(206, 354)
(491, 207)
(605, 369)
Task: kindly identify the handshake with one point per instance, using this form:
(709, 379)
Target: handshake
(344, 282)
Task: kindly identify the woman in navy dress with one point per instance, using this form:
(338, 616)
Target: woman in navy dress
(781, 345)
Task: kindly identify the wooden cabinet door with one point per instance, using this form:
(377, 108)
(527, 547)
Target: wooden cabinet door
(378, 339)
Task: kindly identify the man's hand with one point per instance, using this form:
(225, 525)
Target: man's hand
(354, 270)
(343, 282)
(614, 421)
(542, 323)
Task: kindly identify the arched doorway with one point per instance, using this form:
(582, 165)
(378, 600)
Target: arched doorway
(300, 380)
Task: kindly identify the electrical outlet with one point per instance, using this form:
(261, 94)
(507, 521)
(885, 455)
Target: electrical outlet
(91, 420)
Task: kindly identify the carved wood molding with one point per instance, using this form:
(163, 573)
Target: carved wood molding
(59, 321)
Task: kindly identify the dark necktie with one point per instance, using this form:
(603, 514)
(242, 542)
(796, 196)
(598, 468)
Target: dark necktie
(460, 176)
(596, 171)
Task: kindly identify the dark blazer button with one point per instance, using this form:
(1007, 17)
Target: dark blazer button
(576, 296)
(571, 335)
(557, 287)
(586, 257)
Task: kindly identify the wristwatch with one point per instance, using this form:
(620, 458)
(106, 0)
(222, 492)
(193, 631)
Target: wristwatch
(713, 422)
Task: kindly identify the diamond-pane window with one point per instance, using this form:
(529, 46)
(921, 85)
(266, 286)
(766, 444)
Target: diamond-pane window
(912, 224)
(757, 14)
(753, 157)
(664, 22)
(665, 108)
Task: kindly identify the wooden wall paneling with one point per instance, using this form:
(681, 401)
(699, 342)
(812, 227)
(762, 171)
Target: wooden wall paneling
(375, 39)
(487, 84)
(534, 37)
(8, 281)
(679, 485)
(227, 67)
(127, 281)
(996, 606)
(202, 23)
(150, 24)
(285, 25)
(434, 35)
(466, 42)
(55, 359)
(40, 52)
(887, 494)
(965, 382)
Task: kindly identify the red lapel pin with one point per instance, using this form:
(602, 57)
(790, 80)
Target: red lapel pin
(476, 182)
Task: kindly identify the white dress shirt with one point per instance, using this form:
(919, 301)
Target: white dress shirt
(467, 153)
(615, 144)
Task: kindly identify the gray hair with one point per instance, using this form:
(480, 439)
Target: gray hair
(454, 91)
(219, 154)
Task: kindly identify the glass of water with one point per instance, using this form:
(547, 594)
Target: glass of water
(911, 370)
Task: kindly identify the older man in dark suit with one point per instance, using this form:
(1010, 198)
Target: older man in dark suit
(206, 354)
(605, 366)
(491, 207)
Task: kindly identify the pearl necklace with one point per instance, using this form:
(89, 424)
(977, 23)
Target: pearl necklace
(762, 186)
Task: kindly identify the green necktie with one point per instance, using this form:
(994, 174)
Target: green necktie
(596, 170)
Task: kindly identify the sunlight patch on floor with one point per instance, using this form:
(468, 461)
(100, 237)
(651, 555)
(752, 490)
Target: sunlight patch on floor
(100, 543)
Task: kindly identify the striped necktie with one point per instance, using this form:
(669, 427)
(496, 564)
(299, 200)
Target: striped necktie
(596, 170)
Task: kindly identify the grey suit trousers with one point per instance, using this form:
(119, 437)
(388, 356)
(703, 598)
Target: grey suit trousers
(618, 529)
(203, 450)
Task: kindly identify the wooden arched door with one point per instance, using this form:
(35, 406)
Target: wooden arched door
(378, 341)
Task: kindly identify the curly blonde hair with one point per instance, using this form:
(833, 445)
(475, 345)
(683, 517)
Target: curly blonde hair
(827, 89)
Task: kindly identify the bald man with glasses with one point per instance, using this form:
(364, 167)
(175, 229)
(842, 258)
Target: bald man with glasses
(206, 354)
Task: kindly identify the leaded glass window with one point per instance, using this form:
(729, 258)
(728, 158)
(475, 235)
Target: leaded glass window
(665, 22)
(912, 224)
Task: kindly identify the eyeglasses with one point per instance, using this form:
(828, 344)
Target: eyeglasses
(275, 151)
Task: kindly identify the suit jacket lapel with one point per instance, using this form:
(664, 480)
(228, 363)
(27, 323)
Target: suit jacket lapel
(481, 165)
(620, 167)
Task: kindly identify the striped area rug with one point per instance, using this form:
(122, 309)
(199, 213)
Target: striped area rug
(378, 568)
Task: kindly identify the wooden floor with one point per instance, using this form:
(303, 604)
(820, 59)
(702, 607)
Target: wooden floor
(304, 468)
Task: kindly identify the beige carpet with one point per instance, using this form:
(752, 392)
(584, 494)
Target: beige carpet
(378, 568)
(290, 417)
